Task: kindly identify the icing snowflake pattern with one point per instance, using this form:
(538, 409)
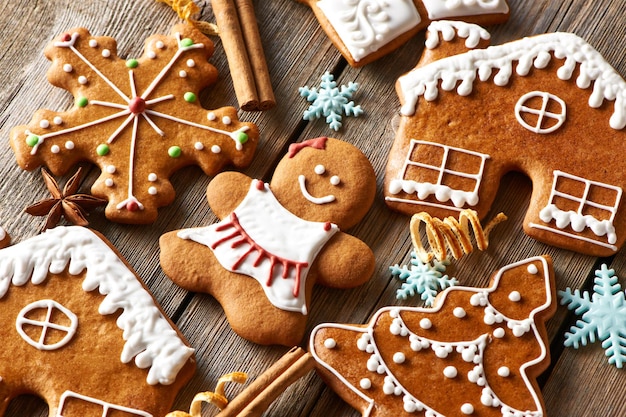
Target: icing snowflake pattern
(330, 102)
(425, 279)
(603, 316)
(126, 118)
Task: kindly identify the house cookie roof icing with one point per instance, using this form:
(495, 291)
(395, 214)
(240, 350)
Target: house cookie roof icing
(149, 336)
(460, 71)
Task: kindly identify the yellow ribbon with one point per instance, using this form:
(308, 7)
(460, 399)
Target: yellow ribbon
(217, 398)
(185, 10)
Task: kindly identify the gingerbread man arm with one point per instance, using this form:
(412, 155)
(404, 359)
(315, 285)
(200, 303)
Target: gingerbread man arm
(344, 262)
(226, 191)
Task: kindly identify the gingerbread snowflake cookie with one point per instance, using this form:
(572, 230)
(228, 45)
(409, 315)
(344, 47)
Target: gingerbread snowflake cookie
(477, 352)
(365, 30)
(531, 105)
(80, 330)
(139, 119)
(276, 240)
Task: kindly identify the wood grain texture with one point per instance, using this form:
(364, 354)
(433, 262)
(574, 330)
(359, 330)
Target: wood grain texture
(579, 382)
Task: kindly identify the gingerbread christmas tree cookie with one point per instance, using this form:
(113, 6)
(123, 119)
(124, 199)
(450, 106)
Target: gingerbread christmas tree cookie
(138, 119)
(477, 352)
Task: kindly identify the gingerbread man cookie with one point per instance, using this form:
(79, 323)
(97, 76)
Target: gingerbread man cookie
(139, 120)
(477, 352)
(276, 240)
(548, 106)
(80, 330)
(365, 30)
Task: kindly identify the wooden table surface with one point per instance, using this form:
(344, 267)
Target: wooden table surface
(578, 383)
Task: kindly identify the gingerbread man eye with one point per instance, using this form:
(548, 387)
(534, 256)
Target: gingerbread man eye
(335, 180)
(319, 169)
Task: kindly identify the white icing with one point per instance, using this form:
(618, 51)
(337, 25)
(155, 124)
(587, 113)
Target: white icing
(450, 372)
(216, 149)
(541, 113)
(443, 9)
(211, 116)
(449, 29)
(111, 169)
(459, 312)
(55, 149)
(319, 169)
(159, 45)
(106, 53)
(57, 120)
(467, 409)
(151, 54)
(49, 305)
(93, 43)
(504, 372)
(365, 383)
(44, 124)
(109, 182)
(106, 406)
(576, 219)
(226, 120)
(515, 296)
(277, 232)
(335, 180)
(399, 357)
(365, 26)
(152, 177)
(82, 80)
(152, 190)
(471, 351)
(426, 324)
(67, 68)
(191, 63)
(520, 56)
(150, 339)
(315, 200)
(443, 193)
(330, 343)
(198, 146)
(182, 73)
(69, 145)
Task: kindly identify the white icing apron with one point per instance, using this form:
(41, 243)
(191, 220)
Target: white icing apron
(265, 241)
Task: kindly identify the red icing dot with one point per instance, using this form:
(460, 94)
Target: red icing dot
(260, 186)
(66, 37)
(132, 206)
(137, 105)
(327, 226)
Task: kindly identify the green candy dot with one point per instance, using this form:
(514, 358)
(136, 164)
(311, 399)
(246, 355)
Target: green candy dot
(102, 149)
(82, 101)
(242, 138)
(186, 42)
(132, 63)
(190, 97)
(175, 151)
(32, 140)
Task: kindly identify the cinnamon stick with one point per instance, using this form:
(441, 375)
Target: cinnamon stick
(252, 38)
(254, 400)
(240, 37)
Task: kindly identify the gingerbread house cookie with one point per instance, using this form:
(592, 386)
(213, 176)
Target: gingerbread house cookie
(276, 240)
(549, 106)
(477, 352)
(81, 331)
(365, 30)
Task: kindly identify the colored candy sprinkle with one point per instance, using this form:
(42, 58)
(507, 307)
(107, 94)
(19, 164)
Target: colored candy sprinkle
(132, 206)
(190, 97)
(175, 151)
(82, 101)
(32, 140)
(102, 149)
(186, 42)
(132, 63)
(242, 137)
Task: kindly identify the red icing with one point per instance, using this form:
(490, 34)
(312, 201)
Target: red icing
(317, 143)
(240, 237)
(137, 105)
(260, 186)
(66, 37)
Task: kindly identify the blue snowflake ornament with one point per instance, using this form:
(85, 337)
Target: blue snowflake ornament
(330, 102)
(603, 315)
(425, 279)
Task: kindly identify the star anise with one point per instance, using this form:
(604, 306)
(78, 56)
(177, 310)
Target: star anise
(64, 203)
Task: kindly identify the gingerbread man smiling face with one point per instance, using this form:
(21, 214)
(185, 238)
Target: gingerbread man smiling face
(276, 240)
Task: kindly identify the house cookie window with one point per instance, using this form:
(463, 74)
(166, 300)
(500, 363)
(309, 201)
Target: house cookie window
(46, 324)
(540, 112)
